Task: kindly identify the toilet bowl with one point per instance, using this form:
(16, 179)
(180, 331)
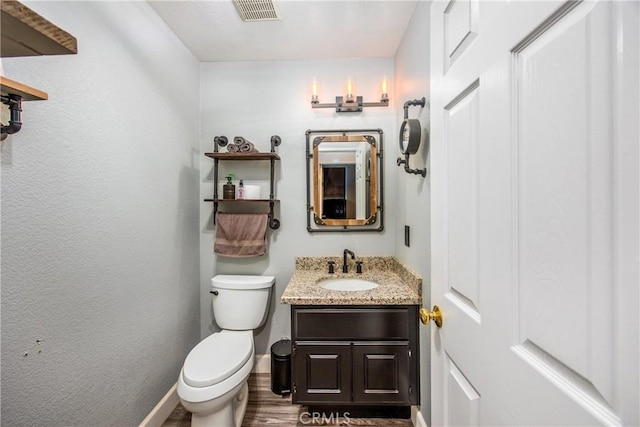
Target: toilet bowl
(213, 381)
(212, 384)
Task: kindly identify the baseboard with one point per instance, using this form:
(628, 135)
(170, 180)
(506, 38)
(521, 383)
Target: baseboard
(416, 417)
(163, 409)
(262, 364)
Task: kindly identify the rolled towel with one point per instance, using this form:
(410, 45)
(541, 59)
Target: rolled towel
(244, 145)
(247, 147)
(233, 148)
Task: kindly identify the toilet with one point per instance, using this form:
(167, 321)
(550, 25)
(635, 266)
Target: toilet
(213, 380)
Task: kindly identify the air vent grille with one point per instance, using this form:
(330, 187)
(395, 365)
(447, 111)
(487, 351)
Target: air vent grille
(256, 10)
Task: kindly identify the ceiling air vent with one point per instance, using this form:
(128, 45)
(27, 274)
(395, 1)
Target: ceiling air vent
(256, 10)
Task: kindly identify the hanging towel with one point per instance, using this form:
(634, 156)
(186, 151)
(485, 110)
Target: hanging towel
(240, 235)
(244, 145)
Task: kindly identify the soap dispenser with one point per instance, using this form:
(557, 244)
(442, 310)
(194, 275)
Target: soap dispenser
(229, 190)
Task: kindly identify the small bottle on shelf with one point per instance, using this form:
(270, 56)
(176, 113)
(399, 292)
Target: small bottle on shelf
(241, 191)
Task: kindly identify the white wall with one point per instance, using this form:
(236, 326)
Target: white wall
(100, 221)
(260, 99)
(412, 82)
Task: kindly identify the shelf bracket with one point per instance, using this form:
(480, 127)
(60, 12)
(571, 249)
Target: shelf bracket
(274, 223)
(15, 107)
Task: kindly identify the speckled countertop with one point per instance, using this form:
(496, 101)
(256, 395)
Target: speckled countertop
(398, 285)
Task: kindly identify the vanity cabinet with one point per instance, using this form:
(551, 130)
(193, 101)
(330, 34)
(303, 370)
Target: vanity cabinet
(355, 355)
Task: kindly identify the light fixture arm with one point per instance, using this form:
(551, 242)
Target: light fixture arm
(415, 136)
(413, 103)
(407, 169)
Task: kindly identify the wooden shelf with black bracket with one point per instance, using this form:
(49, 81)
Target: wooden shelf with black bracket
(272, 156)
(26, 33)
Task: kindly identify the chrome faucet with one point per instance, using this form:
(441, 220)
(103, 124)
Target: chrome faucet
(345, 267)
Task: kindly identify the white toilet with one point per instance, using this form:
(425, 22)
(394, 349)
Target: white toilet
(213, 380)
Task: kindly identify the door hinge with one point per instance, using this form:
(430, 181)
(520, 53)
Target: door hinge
(409, 353)
(294, 388)
(410, 390)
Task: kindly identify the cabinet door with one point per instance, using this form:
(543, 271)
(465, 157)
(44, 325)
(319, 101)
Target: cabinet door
(322, 372)
(381, 372)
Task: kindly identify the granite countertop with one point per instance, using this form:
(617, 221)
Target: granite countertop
(398, 285)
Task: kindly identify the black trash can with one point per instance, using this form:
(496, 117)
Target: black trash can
(281, 367)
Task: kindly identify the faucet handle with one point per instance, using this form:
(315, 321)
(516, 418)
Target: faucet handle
(331, 264)
(359, 267)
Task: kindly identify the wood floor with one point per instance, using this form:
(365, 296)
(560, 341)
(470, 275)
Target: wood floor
(266, 408)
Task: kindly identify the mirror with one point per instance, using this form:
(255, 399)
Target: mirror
(344, 171)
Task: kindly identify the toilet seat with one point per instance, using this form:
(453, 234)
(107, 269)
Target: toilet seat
(233, 377)
(217, 357)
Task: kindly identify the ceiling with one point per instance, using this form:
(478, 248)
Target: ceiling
(307, 29)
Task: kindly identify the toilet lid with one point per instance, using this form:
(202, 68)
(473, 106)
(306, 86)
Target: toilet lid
(217, 357)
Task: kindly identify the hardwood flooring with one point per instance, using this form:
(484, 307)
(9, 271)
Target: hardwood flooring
(266, 408)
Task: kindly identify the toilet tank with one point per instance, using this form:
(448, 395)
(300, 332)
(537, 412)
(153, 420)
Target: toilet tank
(241, 302)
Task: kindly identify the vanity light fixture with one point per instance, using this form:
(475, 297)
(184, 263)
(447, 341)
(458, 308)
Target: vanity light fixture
(349, 103)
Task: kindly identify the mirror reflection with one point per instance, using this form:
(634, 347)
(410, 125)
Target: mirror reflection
(344, 175)
(345, 179)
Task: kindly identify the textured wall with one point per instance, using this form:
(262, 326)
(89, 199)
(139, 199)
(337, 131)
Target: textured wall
(100, 222)
(412, 81)
(257, 100)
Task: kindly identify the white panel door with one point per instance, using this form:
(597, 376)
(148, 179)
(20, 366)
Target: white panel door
(535, 218)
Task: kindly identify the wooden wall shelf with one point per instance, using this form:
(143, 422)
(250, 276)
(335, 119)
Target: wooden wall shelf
(28, 93)
(243, 156)
(272, 156)
(241, 200)
(25, 33)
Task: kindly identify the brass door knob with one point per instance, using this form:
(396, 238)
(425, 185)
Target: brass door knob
(435, 315)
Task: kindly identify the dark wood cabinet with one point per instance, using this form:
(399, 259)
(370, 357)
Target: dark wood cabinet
(323, 372)
(360, 355)
(381, 372)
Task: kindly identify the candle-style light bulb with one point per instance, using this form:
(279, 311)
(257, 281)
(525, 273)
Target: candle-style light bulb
(385, 96)
(314, 91)
(349, 96)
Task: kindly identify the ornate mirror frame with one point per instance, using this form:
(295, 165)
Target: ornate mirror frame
(316, 221)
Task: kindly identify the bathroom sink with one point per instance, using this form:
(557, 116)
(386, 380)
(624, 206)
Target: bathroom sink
(347, 284)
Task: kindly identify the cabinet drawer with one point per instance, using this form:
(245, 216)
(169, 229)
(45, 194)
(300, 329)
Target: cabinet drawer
(375, 323)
